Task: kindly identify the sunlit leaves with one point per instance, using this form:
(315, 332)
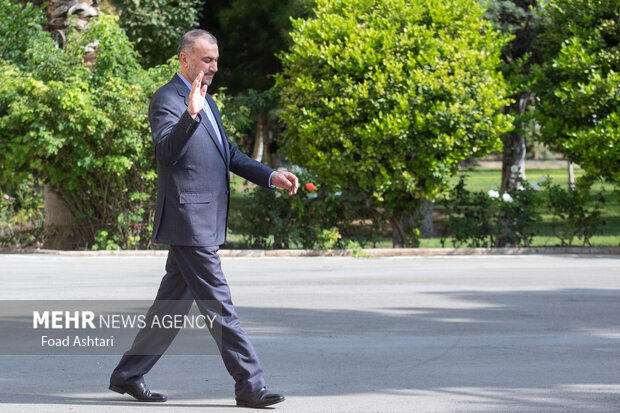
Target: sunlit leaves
(386, 97)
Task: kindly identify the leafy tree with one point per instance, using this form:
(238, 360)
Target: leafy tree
(578, 83)
(21, 26)
(155, 26)
(62, 14)
(83, 130)
(384, 98)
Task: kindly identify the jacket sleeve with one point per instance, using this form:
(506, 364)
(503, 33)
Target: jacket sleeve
(248, 168)
(171, 127)
(240, 163)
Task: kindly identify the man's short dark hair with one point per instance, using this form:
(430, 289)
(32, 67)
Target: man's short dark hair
(187, 41)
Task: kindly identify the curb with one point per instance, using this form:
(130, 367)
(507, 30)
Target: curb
(371, 252)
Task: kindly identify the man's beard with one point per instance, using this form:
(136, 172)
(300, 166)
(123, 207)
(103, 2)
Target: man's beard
(204, 81)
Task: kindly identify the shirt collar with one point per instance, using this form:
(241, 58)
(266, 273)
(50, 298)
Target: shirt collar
(189, 85)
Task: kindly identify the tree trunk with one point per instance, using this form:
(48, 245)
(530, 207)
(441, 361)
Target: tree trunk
(513, 153)
(59, 10)
(571, 176)
(273, 158)
(59, 224)
(261, 136)
(401, 230)
(513, 163)
(424, 218)
(407, 229)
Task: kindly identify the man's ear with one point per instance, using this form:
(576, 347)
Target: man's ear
(183, 59)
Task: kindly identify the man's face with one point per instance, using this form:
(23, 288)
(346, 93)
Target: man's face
(203, 56)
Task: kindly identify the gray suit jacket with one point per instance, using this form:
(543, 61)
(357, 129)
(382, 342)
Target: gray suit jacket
(193, 189)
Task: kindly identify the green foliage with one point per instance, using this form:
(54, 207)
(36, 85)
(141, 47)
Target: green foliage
(273, 219)
(21, 215)
(311, 219)
(355, 247)
(24, 43)
(479, 219)
(519, 215)
(327, 238)
(156, 26)
(471, 217)
(239, 115)
(84, 131)
(570, 215)
(105, 241)
(384, 98)
(578, 84)
(20, 28)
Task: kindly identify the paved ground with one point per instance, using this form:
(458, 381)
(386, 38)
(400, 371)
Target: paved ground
(417, 334)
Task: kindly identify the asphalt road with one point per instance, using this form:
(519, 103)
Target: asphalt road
(408, 334)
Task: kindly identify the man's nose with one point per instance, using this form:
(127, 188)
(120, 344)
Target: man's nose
(213, 67)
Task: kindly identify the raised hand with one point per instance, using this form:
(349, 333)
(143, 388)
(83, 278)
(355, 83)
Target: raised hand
(196, 99)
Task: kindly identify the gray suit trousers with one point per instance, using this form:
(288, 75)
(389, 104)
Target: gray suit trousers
(193, 273)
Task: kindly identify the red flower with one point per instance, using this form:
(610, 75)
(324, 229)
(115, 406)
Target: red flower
(310, 187)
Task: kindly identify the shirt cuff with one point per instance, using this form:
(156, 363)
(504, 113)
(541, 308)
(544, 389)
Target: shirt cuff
(197, 118)
(269, 180)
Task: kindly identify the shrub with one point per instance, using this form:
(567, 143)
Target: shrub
(481, 220)
(312, 219)
(571, 216)
(83, 131)
(21, 215)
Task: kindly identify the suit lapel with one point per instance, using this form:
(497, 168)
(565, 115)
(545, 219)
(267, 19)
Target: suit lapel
(220, 126)
(209, 127)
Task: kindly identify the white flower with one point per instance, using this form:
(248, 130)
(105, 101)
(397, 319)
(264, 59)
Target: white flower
(543, 178)
(493, 194)
(514, 169)
(506, 197)
(535, 185)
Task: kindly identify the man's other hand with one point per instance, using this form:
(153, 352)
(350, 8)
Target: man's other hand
(285, 180)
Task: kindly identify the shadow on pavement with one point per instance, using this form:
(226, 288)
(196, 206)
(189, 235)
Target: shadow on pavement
(485, 345)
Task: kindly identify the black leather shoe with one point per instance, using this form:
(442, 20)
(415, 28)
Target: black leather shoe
(259, 398)
(139, 391)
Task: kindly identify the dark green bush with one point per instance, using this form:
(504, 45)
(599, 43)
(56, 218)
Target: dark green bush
(83, 131)
(571, 216)
(311, 219)
(21, 215)
(479, 219)
(484, 220)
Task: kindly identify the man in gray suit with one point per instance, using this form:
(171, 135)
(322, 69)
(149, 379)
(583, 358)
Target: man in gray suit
(194, 159)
